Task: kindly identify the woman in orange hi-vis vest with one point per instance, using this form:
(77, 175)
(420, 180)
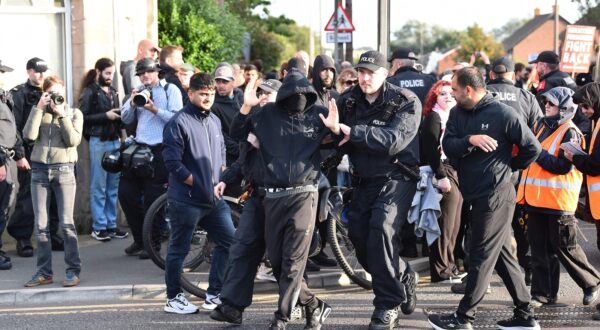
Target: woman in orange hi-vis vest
(588, 98)
(549, 189)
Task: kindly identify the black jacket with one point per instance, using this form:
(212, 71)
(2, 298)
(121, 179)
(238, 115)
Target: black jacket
(553, 79)
(323, 93)
(419, 83)
(170, 75)
(225, 108)
(480, 172)
(521, 100)
(25, 96)
(289, 142)
(94, 103)
(376, 142)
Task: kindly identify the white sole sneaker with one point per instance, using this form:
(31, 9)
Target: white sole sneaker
(175, 310)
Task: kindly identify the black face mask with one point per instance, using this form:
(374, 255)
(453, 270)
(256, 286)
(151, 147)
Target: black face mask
(295, 103)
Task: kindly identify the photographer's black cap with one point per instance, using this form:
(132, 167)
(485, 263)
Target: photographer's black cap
(37, 65)
(4, 68)
(503, 65)
(547, 56)
(403, 53)
(146, 65)
(372, 60)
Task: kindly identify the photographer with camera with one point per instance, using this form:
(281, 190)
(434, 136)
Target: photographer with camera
(99, 104)
(144, 176)
(25, 97)
(55, 130)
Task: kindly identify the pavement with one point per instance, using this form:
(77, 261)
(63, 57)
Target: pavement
(109, 274)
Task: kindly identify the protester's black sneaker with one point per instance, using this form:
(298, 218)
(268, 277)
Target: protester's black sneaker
(277, 324)
(383, 319)
(117, 233)
(101, 235)
(24, 248)
(5, 263)
(315, 317)
(322, 259)
(134, 249)
(519, 323)
(410, 280)
(590, 295)
(448, 321)
(226, 313)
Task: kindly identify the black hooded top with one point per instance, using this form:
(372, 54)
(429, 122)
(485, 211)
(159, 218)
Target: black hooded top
(323, 93)
(589, 94)
(289, 140)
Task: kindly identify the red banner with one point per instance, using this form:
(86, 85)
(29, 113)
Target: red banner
(577, 48)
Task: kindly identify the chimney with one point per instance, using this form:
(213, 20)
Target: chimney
(536, 12)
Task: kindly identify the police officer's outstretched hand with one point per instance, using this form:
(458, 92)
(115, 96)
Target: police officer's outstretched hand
(483, 142)
(250, 98)
(333, 119)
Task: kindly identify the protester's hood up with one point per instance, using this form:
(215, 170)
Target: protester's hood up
(322, 62)
(589, 94)
(563, 97)
(293, 84)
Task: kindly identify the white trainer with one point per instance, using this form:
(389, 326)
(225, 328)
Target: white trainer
(211, 302)
(180, 305)
(265, 273)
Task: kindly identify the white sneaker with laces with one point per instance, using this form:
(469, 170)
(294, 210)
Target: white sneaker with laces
(211, 302)
(180, 305)
(265, 273)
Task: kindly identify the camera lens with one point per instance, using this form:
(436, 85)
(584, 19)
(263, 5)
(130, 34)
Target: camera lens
(142, 98)
(57, 98)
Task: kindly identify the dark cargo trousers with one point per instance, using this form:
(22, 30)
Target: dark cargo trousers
(6, 189)
(289, 226)
(489, 247)
(378, 210)
(245, 255)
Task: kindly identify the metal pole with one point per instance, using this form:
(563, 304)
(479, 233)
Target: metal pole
(556, 26)
(383, 29)
(336, 3)
(349, 46)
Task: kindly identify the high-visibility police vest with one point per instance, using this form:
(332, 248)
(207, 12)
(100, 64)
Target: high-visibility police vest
(593, 182)
(541, 188)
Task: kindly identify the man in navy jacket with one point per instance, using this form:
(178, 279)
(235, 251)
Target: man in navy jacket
(194, 155)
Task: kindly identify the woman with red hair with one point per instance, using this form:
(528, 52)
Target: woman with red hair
(437, 107)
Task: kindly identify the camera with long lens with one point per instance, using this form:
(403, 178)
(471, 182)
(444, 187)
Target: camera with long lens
(57, 98)
(142, 97)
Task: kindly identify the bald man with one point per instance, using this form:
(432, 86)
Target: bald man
(146, 48)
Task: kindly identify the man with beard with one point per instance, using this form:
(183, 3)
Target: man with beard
(99, 104)
(194, 155)
(20, 226)
(548, 64)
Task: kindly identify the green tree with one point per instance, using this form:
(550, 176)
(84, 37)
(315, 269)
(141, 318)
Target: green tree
(508, 28)
(475, 39)
(419, 36)
(590, 10)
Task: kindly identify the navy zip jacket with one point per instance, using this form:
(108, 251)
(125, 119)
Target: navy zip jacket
(193, 144)
(479, 172)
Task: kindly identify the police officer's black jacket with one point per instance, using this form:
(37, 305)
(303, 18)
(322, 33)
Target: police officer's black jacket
(289, 142)
(170, 75)
(554, 79)
(323, 93)
(225, 108)
(521, 100)
(479, 172)
(374, 141)
(94, 103)
(419, 83)
(25, 96)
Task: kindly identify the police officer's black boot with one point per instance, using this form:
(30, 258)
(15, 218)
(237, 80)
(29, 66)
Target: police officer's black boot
(226, 313)
(316, 315)
(384, 319)
(410, 280)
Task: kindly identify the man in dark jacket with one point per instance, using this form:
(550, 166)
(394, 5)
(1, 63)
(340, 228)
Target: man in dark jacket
(194, 155)
(548, 64)
(289, 133)
(478, 140)
(406, 76)
(171, 59)
(381, 121)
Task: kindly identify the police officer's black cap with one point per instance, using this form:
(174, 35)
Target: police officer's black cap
(270, 85)
(37, 65)
(372, 60)
(547, 56)
(403, 53)
(4, 68)
(146, 65)
(503, 65)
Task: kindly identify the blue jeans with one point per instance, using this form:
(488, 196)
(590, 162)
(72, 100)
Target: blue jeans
(183, 219)
(103, 186)
(60, 179)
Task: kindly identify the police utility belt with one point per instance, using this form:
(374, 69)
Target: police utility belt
(287, 191)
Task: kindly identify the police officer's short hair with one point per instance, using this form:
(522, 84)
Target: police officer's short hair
(519, 67)
(470, 77)
(201, 80)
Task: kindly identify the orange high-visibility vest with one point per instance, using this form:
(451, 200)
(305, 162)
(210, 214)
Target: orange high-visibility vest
(593, 182)
(544, 189)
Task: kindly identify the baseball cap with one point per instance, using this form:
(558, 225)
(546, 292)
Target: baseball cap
(5, 68)
(187, 67)
(224, 72)
(503, 65)
(37, 64)
(372, 60)
(547, 56)
(146, 65)
(270, 85)
(404, 53)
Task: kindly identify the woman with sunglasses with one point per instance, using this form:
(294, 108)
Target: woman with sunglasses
(549, 190)
(346, 79)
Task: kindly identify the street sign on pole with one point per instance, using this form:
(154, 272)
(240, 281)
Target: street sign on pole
(341, 37)
(577, 48)
(344, 23)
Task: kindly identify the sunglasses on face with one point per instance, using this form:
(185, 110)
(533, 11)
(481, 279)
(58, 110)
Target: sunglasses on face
(549, 103)
(350, 82)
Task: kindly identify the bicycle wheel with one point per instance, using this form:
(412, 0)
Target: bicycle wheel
(344, 252)
(157, 232)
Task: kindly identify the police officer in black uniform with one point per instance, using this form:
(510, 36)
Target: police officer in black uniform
(380, 123)
(10, 145)
(548, 65)
(406, 76)
(25, 96)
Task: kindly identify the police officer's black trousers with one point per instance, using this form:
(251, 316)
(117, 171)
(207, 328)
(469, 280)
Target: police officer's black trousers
(5, 192)
(520, 232)
(379, 208)
(555, 236)
(490, 246)
(289, 225)
(245, 255)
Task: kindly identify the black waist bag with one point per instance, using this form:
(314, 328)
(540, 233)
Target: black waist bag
(137, 159)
